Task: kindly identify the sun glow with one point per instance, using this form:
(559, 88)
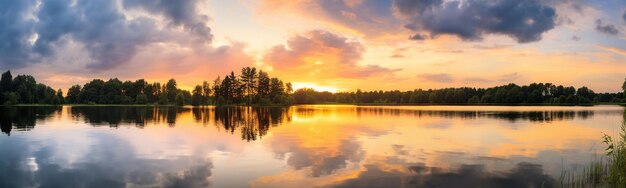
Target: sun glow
(300, 85)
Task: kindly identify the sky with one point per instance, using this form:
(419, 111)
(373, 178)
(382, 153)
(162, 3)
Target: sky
(331, 45)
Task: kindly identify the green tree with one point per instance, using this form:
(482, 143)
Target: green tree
(263, 86)
(59, 97)
(73, 94)
(248, 81)
(6, 82)
(11, 98)
(141, 99)
(206, 93)
(171, 90)
(196, 99)
(91, 91)
(180, 99)
(288, 88)
(277, 88)
(25, 86)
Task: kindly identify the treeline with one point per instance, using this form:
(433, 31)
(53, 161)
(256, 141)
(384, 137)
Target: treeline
(535, 93)
(24, 89)
(252, 87)
(248, 88)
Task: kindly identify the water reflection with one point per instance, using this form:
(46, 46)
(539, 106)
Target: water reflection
(254, 121)
(301, 146)
(523, 175)
(23, 118)
(24, 165)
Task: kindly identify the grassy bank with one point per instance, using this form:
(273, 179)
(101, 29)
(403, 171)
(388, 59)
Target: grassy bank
(607, 172)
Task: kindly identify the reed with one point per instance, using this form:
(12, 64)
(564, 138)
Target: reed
(607, 172)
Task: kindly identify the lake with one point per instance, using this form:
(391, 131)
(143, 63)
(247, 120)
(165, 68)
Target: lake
(300, 146)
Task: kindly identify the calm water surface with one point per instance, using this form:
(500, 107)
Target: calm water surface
(300, 146)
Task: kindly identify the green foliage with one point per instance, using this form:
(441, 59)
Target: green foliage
(180, 99)
(6, 82)
(535, 93)
(141, 99)
(255, 88)
(264, 101)
(10, 98)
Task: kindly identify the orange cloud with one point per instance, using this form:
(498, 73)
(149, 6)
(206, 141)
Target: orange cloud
(320, 55)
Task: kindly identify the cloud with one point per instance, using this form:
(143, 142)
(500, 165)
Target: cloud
(618, 51)
(523, 175)
(319, 162)
(523, 20)
(322, 55)
(112, 162)
(511, 77)
(15, 32)
(438, 78)
(624, 16)
(179, 13)
(608, 29)
(107, 33)
(476, 80)
(418, 37)
(373, 18)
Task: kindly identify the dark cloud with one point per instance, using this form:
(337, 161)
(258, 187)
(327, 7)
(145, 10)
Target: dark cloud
(439, 78)
(179, 13)
(523, 20)
(371, 17)
(101, 27)
(608, 29)
(624, 16)
(575, 38)
(417, 37)
(523, 175)
(15, 31)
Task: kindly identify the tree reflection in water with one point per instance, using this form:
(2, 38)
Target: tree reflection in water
(251, 122)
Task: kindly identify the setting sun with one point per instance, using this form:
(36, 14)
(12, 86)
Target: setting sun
(300, 85)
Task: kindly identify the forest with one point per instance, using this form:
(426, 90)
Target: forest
(532, 94)
(252, 87)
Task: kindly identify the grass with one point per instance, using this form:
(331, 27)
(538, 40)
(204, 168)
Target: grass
(610, 172)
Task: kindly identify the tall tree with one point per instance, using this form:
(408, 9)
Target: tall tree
(263, 87)
(6, 82)
(276, 87)
(59, 97)
(196, 98)
(623, 85)
(73, 94)
(206, 92)
(171, 89)
(288, 88)
(248, 81)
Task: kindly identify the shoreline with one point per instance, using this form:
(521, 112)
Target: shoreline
(362, 104)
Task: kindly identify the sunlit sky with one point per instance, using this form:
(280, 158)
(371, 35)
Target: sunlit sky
(333, 45)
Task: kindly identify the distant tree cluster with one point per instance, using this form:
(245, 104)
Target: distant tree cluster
(115, 91)
(24, 89)
(248, 88)
(535, 93)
